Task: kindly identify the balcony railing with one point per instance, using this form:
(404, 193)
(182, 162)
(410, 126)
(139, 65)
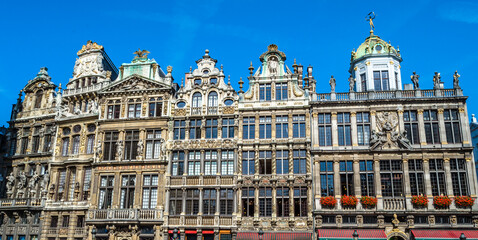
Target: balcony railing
(211, 110)
(398, 94)
(125, 214)
(21, 202)
(394, 204)
(95, 87)
(196, 110)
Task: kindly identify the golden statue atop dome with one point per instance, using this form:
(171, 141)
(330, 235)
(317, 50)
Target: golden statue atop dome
(370, 17)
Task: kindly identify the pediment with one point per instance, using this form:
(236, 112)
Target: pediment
(35, 84)
(134, 83)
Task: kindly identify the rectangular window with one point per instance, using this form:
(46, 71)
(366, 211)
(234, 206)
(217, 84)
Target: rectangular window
(178, 163)
(61, 184)
(226, 197)
(327, 178)
(344, 129)
(80, 221)
(153, 144)
(325, 129)
(452, 126)
(110, 145)
(71, 184)
(391, 175)
(265, 130)
(175, 201)
(228, 128)
(210, 162)
(106, 192)
(209, 201)
(281, 91)
(411, 126)
(346, 178)
(128, 183)
(131, 144)
(265, 202)
(248, 163)
(76, 145)
(415, 172)
(248, 128)
(437, 177)
(134, 110)
(195, 129)
(265, 92)
(47, 143)
(64, 146)
(282, 199)
(363, 80)
(367, 180)
(211, 128)
(53, 222)
(150, 191)
(194, 163)
(298, 126)
(155, 107)
(227, 162)
(192, 202)
(380, 79)
(90, 145)
(282, 162)
(114, 111)
(36, 144)
(179, 129)
(459, 178)
(363, 128)
(300, 201)
(432, 131)
(65, 221)
(300, 162)
(265, 162)
(282, 127)
(248, 202)
(86, 183)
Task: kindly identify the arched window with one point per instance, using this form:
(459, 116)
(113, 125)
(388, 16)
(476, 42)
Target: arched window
(38, 95)
(212, 99)
(197, 100)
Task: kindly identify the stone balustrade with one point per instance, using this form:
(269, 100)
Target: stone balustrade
(397, 94)
(125, 214)
(21, 202)
(95, 87)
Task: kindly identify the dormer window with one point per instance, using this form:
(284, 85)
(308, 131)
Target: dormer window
(378, 48)
(197, 81)
(380, 80)
(205, 72)
(213, 81)
(265, 92)
(38, 98)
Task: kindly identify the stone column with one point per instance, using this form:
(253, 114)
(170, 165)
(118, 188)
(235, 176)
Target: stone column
(465, 127)
(219, 161)
(316, 179)
(337, 190)
(186, 159)
(421, 127)
(218, 201)
(353, 123)
(291, 201)
(183, 206)
(449, 184)
(406, 178)
(274, 206)
(116, 189)
(441, 125)
(335, 136)
(238, 203)
(273, 126)
(427, 182)
(166, 203)
(315, 130)
(471, 179)
(201, 197)
(357, 184)
(256, 201)
(80, 179)
(378, 183)
(201, 164)
(72, 226)
(137, 188)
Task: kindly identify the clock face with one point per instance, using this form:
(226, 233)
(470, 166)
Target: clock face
(378, 48)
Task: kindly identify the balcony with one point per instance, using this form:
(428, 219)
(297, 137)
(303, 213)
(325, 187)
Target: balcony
(196, 110)
(21, 202)
(95, 87)
(398, 94)
(125, 214)
(212, 110)
(190, 221)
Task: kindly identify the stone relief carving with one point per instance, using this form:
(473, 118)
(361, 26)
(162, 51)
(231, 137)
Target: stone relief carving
(140, 150)
(10, 182)
(119, 150)
(387, 135)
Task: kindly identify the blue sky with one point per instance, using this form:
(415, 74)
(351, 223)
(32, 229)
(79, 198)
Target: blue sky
(432, 36)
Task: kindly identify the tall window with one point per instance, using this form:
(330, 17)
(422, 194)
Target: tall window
(197, 103)
(265, 130)
(179, 129)
(212, 103)
(228, 128)
(192, 201)
(248, 202)
(281, 91)
(346, 178)
(153, 144)
(363, 80)
(178, 163)
(265, 201)
(432, 131)
(411, 126)
(227, 162)
(90, 145)
(380, 80)
(391, 175)
(155, 107)
(437, 177)
(415, 172)
(175, 201)
(248, 162)
(282, 199)
(210, 162)
(47, 142)
(127, 191)
(65, 146)
(327, 178)
(298, 126)
(64, 223)
(344, 130)
(300, 202)
(325, 129)
(248, 125)
(114, 109)
(211, 128)
(53, 222)
(282, 127)
(106, 192)
(76, 145)
(265, 162)
(209, 201)
(195, 129)
(363, 128)
(459, 179)
(300, 162)
(265, 92)
(134, 109)
(194, 163)
(86, 183)
(38, 98)
(226, 197)
(71, 184)
(131, 145)
(367, 178)
(36, 141)
(110, 145)
(150, 191)
(452, 126)
(282, 162)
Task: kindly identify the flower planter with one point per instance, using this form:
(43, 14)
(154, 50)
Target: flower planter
(441, 202)
(368, 202)
(328, 202)
(348, 201)
(419, 202)
(464, 202)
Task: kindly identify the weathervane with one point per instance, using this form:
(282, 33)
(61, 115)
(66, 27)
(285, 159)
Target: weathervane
(370, 17)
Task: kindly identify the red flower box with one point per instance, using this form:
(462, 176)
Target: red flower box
(441, 201)
(368, 202)
(464, 201)
(328, 202)
(420, 201)
(348, 201)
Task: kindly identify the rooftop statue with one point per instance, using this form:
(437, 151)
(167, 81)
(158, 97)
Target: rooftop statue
(141, 53)
(415, 78)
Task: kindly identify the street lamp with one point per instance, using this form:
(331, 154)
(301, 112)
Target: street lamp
(175, 234)
(93, 233)
(462, 236)
(260, 234)
(355, 235)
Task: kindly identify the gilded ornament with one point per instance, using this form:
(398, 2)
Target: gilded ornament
(89, 46)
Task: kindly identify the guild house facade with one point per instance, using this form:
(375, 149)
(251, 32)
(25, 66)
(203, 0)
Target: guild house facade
(128, 153)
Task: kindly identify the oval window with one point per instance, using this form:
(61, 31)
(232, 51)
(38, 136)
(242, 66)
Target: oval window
(181, 104)
(66, 131)
(378, 48)
(228, 102)
(91, 127)
(205, 71)
(76, 128)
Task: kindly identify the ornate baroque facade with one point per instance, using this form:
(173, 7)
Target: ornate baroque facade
(129, 154)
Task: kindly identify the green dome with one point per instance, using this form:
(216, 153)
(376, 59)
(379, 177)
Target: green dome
(374, 46)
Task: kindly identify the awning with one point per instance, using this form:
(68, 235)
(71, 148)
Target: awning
(274, 236)
(428, 234)
(342, 234)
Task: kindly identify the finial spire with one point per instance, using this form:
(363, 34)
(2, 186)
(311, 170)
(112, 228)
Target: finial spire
(240, 85)
(190, 69)
(370, 17)
(222, 68)
(228, 79)
(251, 69)
(182, 82)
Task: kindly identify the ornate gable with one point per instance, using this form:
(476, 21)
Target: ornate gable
(134, 83)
